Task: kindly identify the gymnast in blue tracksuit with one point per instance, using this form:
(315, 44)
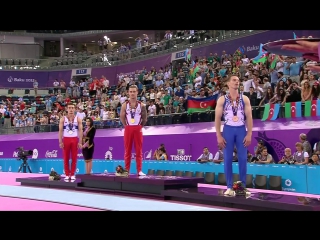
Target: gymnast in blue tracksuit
(235, 109)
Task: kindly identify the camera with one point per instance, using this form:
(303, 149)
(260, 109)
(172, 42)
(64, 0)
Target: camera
(24, 154)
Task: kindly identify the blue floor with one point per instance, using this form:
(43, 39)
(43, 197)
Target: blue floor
(94, 200)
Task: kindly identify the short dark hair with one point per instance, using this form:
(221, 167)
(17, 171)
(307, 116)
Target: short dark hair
(91, 121)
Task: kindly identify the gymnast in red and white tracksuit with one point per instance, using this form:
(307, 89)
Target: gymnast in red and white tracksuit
(70, 139)
(133, 116)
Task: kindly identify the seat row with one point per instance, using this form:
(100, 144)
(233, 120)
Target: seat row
(258, 182)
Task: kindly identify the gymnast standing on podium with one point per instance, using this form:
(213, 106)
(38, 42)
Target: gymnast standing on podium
(88, 144)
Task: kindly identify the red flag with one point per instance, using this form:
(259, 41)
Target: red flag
(271, 112)
(293, 109)
(314, 108)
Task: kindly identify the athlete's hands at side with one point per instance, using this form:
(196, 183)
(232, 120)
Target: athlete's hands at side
(221, 141)
(61, 145)
(247, 140)
(79, 145)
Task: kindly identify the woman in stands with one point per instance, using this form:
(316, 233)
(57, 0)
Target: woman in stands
(315, 92)
(267, 97)
(161, 154)
(88, 144)
(279, 97)
(300, 157)
(306, 92)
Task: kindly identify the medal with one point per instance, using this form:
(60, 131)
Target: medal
(234, 107)
(132, 113)
(70, 132)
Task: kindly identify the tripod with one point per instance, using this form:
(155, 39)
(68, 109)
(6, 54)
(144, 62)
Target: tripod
(24, 165)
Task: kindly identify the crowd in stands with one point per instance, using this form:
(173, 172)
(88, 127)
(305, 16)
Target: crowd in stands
(165, 90)
(303, 154)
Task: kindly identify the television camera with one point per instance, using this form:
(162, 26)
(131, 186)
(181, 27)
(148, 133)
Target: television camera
(23, 155)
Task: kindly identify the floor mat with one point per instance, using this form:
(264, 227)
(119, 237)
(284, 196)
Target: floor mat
(18, 204)
(98, 201)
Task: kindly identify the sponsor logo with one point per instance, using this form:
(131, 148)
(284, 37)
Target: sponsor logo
(0, 168)
(181, 156)
(52, 154)
(288, 183)
(12, 79)
(252, 48)
(40, 170)
(80, 155)
(1, 153)
(147, 155)
(35, 154)
(108, 154)
(9, 169)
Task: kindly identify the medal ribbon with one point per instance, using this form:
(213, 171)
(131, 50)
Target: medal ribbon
(132, 112)
(234, 106)
(71, 124)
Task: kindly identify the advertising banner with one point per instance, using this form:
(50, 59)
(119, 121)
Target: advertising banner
(23, 79)
(294, 178)
(82, 71)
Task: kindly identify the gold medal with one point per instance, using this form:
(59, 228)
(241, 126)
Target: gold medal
(235, 119)
(132, 120)
(70, 132)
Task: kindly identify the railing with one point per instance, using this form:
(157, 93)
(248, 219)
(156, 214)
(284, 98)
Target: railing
(163, 119)
(45, 35)
(108, 60)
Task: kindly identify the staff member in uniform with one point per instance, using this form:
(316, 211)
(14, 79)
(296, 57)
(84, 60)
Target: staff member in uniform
(70, 139)
(236, 110)
(133, 116)
(88, 144)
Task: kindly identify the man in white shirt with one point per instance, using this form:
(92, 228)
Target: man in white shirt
(81, 114)
(152, 109)
(55, 86)
(206, 156)
(197, 81)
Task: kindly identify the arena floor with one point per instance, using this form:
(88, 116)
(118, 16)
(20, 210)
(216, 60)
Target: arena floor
(14, 197)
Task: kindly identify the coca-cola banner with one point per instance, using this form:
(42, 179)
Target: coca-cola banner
(183, 142)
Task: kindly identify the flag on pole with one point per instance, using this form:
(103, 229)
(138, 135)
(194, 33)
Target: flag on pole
(271, 111)
(201, 104)
(188, 54)
(292, 110)
(262, 56)
(312, 108)
(239, 51)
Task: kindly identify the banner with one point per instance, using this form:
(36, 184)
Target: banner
(294, 178)
(23, 79)
(179, 55)
(109, 142)
(82, 71)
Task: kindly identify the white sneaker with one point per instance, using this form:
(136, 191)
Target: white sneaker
(141, 174)
(229, 192)
(67, 178)
(73, 177)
